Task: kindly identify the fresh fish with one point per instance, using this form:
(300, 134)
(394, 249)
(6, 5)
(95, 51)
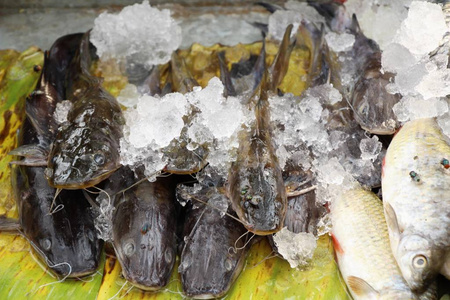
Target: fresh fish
(214, 251)
(182, 160)
(255, 182)
(361, 241)
(144, 228)
(86, 147)
(416, 197)
(60, 228)
(359, 76)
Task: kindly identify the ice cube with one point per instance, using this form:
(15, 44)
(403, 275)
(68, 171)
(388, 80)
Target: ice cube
(280, 19)
(340, 41)
(128, 96)
(370, 148)
(296, 248)
(140, 34)
(62, 110)
(396, 58)
(415, 107)
(423, 29)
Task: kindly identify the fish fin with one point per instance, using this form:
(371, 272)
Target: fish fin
(361, 288)
(9, 224)
(354, 25)
(391, 219)
(280, 64)
(32, 153)
(336, 244)
(270, 7)
(314, 39)
(182, 79)
(225, 76)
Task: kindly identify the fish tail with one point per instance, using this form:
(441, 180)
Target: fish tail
(280, 64)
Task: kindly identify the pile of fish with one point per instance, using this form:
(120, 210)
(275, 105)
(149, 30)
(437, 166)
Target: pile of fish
(390, 249)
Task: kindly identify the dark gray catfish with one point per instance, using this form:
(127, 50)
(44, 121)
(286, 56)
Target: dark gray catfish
(255, 183)
(60, 229)
(86, 147)
(144, 228)
(364, 85)
(214, 249)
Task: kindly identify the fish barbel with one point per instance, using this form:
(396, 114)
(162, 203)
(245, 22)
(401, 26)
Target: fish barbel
(416, 195)
(361, 240)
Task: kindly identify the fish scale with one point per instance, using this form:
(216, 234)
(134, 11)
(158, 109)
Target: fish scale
(362, 246)
(420, 201)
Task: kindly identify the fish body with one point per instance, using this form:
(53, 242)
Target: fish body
(214, 251)
(86, 148)
(362, 249)
(255, 181)
(416, 197)
(144, 230)
(357, 72)
(60, 229)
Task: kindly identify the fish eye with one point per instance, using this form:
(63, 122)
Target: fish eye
(128, 248)
(168, 256)
(46, 244)
(364, 109)
(99, 159)
(419, 261)
(228, 264)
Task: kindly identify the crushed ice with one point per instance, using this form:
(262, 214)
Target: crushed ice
(139, 33)
(62, 110)
(296, 248)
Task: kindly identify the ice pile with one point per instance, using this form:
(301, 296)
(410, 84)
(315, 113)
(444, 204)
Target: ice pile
(211, 120)
(296, 248)
(418, 55)
(303, 136)
(141, 34)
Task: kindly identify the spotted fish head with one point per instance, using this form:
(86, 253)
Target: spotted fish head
(258, 197)
(144, 237)
(82, 157)
(63, 235)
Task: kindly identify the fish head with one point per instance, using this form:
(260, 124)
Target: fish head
(418, 261)
(259, 199)
(145, 243)
(82, 157)
(65, 239)
(68, 255)
(213, 256)
(372, 104)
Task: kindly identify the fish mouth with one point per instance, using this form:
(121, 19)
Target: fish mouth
(71, 185)
(150, 287)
